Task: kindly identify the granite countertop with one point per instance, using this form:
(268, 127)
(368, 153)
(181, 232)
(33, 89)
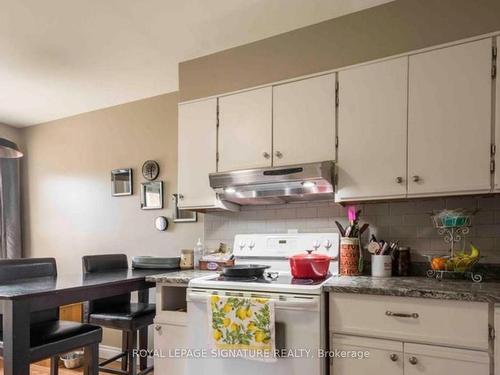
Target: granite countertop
(423, 287)
(179, 277)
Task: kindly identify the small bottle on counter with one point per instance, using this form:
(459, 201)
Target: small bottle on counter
(198, 253)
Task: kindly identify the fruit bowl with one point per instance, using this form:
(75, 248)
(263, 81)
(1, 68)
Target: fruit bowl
(460, 264)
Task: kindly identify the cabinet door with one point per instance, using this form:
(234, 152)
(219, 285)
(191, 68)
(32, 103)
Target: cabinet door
(383, 357)
(434, 360)
(372, 131)
(304, 121)
(197, 152)
(169, 340)
(245, 130)
(449, 120)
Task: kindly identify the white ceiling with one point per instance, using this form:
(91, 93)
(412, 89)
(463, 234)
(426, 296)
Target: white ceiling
(63, 57)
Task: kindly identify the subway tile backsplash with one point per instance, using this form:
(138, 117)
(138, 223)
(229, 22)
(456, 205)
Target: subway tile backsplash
(407, 221)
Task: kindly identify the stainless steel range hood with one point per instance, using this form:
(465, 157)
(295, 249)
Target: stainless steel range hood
(304, 182)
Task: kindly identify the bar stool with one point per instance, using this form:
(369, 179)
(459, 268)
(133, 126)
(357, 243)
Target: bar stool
(49, 336)
(118, 312)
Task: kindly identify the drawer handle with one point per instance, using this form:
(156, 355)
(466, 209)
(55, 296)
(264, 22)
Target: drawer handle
(413, 360)
(158, 327)
(394, 357)
(401, 315)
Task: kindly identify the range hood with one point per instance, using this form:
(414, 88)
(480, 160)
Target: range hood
(295, 183)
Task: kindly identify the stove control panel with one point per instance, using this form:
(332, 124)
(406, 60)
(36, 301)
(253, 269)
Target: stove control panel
(284, 245)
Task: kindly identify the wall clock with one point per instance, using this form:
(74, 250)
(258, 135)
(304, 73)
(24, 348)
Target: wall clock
(150, 170)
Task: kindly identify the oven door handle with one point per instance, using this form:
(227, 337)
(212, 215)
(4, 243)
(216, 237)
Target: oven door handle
(290, 303)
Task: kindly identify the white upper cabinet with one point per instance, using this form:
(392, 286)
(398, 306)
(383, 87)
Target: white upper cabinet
(372, 128)
(197, 153)
(304, 121)
(245, 130)
(449, 120)
(496, 187)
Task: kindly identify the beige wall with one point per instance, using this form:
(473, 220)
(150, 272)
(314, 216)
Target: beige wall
(385, 30)
(69, 211)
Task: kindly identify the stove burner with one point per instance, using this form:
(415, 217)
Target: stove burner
(241, 279)
(303, 281)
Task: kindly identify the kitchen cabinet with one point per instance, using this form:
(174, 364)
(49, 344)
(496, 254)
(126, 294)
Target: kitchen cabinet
(304, 121)
(409, 336)
(169, 340)
(372, 125)
(197, 153)
(245, 130)
(449, 120)
(431, 359)
(384, 357)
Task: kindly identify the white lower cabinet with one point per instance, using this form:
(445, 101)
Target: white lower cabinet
(387, 335)
(169, 340)
(429, 359)
(383, 357)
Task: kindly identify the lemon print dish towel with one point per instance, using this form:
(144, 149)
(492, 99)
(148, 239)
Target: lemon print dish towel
(243, 326)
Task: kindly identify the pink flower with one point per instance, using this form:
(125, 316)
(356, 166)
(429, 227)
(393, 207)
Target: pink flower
(351, 213)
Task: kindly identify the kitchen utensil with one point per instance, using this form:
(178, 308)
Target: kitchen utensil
(381, 265)
(341, 228)
(245, 270)
(150, 262)
(364, 227)
(187, 259)
(310, 265)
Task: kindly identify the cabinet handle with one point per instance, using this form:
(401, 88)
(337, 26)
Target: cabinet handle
(278, 154)
(399, 180)
(413, 360)
(394, 357)
(181, 196)
(266, 155)
(401, 315)
(158, 327)
(416, 178)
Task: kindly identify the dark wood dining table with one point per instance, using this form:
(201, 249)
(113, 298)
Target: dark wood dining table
(18, 299)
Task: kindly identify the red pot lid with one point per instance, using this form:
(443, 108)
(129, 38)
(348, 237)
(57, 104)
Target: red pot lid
(310, 255)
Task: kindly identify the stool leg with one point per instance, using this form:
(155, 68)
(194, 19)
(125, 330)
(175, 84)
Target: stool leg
(125, 339)
(143, 345)
(54, 365)
(91, 365)
(132, 344)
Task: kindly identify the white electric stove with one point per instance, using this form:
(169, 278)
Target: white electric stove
(299, 305)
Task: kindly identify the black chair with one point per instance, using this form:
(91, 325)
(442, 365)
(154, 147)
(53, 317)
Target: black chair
(120, 313)
(49, 336)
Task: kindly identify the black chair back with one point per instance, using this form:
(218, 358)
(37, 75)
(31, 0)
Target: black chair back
(93, 264)
(12, 270)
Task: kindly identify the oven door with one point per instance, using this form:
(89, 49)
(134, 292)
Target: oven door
(300, 330)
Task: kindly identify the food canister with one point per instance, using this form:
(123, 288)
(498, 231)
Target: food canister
(187, 259)
(349, 256)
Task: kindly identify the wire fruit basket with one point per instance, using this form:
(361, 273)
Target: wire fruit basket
(454, 225)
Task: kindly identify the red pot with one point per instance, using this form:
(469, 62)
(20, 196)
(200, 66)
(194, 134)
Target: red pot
(309, 265)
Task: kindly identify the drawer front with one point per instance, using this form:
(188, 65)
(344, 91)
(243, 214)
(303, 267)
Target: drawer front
(454, 323)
